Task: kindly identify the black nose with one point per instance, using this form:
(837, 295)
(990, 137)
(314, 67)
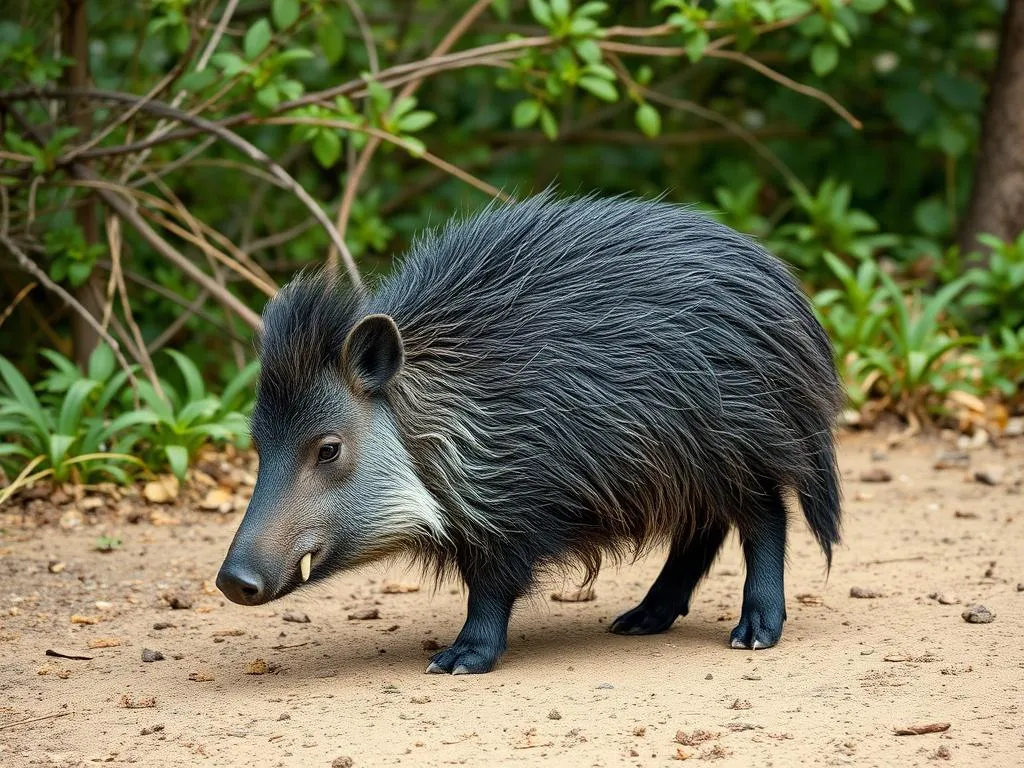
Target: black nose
(240, 585)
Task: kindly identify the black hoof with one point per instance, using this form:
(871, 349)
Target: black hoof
(643, 620)
(758, 628)
(464, 659)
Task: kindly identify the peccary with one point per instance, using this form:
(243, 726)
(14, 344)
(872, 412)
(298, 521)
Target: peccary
(544, 383)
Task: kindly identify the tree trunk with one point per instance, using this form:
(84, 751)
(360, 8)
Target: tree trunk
(75, 44)
(997, 199)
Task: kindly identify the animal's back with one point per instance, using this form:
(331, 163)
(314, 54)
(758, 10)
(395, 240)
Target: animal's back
(617, 364)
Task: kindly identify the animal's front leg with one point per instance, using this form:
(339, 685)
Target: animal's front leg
(493, 589)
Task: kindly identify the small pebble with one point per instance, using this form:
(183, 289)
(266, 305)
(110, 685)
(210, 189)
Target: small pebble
(284, 716)
(709, 676)
(1020, 586)
(952, 460)
(943, 599)
(978, 614)
(151, 729)
(163, 625)
(296, 616)
(365, 614)
(55, 566)
(989, 475)
(151, 655)
(605, 686)
(865, 594)
(178, 601)
(554, 714)
(342, 762)
(431, 644)
(876, 475)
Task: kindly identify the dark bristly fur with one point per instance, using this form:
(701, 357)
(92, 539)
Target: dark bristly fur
(583, 376)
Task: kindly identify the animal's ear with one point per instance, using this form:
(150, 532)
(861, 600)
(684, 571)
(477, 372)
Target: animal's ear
(373, 353)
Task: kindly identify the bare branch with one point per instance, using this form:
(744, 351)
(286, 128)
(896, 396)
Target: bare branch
(44, 279)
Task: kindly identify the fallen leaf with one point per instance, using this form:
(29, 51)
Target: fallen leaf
(200, 677)
(217, 498)
(79, 619)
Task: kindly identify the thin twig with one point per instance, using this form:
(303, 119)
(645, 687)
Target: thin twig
(780, 78)
(366, 33)
(363, 163)
(204, 59)
(168, 333)
(228, 137)
(9, 309)
(50, 716)
(380, 135)
(33, 269)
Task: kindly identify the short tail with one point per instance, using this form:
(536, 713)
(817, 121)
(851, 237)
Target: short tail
(821, 498)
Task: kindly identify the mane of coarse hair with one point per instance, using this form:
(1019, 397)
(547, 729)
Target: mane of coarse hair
(304, 329)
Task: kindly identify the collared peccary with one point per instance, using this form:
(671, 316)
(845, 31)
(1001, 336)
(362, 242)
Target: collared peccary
(545, 383)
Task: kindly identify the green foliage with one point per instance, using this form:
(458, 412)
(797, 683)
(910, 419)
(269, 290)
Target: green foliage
(620, 98)
(107, 543)
(996, 295)
(182, 419)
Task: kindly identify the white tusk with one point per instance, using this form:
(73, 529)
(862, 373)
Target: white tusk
(304, 564)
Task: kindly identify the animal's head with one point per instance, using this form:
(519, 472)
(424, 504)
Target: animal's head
(336, 487)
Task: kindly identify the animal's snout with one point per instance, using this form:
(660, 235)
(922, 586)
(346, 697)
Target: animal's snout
(241, 584)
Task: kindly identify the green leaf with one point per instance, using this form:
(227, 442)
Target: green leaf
(696, 42)
(59, 447)
(177, 457)
(905, 5)
(526, 113)
(913, 109)
(593, 8)
(101, 363)
(229, 63)
(268, 96)
(71, 407)
(824, 57)
(284, 12)
(331, 38)
(548, 124)
(194, 386)
(867, 6)
(958, 92)
(197, 409)
(19, 387)
(416, 121)
(588, 50)
(542, 12)
(599, 87)
(560, 9)
(257, 38)
(198, 81)
(648, 120)
(327, 147)
(932, 217)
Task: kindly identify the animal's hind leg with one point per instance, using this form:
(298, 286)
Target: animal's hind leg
(670, 594)
(764, 599)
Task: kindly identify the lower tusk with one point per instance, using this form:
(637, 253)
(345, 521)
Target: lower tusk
(304, 565)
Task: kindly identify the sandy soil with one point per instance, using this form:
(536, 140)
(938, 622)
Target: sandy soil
(847, 673)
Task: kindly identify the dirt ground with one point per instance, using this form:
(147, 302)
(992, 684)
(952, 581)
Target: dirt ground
(849, 670)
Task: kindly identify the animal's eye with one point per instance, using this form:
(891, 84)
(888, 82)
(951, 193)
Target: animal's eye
(328, 452)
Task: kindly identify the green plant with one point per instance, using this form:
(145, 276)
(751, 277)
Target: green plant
(854, 316)
(916, 368)
(995, 297)
(180, 420)
(70, 439)
(107, 543)
(831, 225)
